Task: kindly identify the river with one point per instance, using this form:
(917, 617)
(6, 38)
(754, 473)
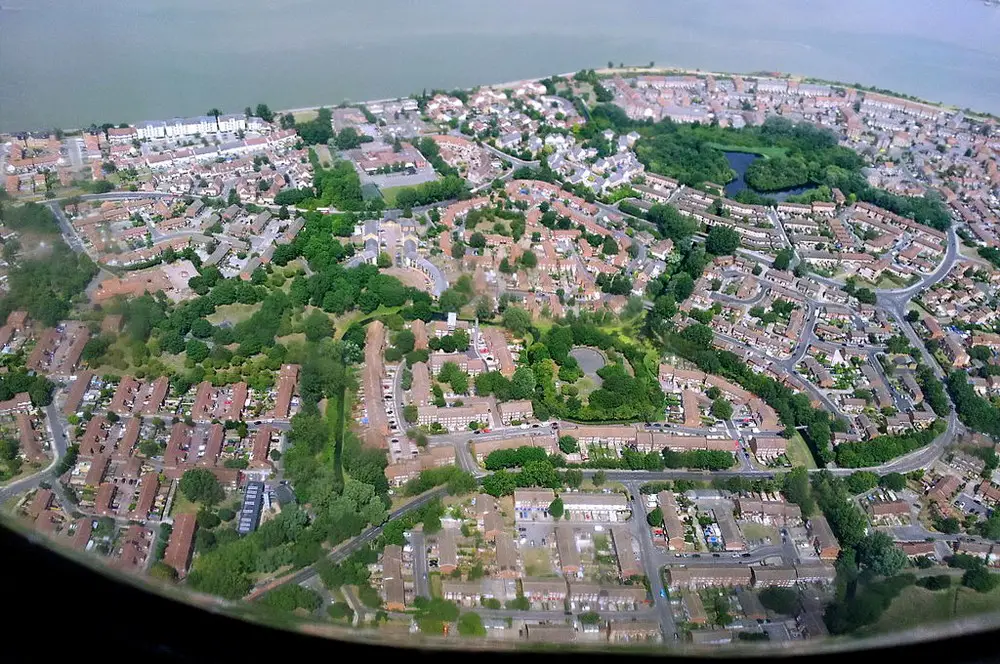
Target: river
(71, 62)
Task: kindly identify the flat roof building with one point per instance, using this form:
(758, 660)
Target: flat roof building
(253, 503)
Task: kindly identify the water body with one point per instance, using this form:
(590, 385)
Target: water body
(71, 62)
(590, 361)
(739, 162)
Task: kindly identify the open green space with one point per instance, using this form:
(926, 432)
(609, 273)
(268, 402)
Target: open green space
(585, 386)
(435, 583)
(798, 452)
(917, 606)
(758, 531)
(389, 195)
(232, 313)
(182, 505)
(537, 563)
(337, 406)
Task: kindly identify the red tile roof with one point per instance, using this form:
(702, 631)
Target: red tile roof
(181, 543)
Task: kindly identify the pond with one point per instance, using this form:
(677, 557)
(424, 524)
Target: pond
(590, 360)
(739, 162)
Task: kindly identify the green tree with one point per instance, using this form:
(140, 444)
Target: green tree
(599, 478)
(722, 241)
(470, 624)
(404, 341)
(484, 308)
(879, 553)
(795, 486)
(200, 485)
(655, 517)
(410, 413)
(862, 481)
(556, 508)
(722, 409)
(384, 260)
(780, 600)
(517, 320)
(317, 326)
(698, 334)
(782, 259)
(568, 445)
(865, 295)
(523, 383)
(980, 579)
(893, 481)
(196, 350)
(573, 478)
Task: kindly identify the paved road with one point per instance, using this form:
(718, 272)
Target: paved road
(727, 299)
(68, 232)
(643, 535)
(421, 582)
(516, 161)
(59, 445)
(903, 295)
(556, 616)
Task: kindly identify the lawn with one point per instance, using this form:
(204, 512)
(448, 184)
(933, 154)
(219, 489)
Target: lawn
(889, 282)
(537, 563)
(585, 385)
(798, 452)
(614, 487)
(758, 531)
(297, 337)
(305, 116)
(918, 606)
(764, 152)
(323, 153)
(341, 323)
(182, 505)
(389, 195)
(435, 579)
(232, 313)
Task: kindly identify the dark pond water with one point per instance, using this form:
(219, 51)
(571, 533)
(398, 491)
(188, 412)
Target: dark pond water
(590, 361)
(739, 162)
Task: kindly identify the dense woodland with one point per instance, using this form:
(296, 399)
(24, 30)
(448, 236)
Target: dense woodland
(45, 281)
(974, 411)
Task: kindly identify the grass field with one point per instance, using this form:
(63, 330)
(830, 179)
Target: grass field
(389, 195)
(182, 505)
(537, 563)
(758, 531)
(888, 281)
(918, 606)
(798, 452)
(764, 152)
(305, 116)
(585, 385)
(435, 579)
(323, 154)
(232, 313)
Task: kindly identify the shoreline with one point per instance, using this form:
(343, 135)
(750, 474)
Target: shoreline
(603, 71)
